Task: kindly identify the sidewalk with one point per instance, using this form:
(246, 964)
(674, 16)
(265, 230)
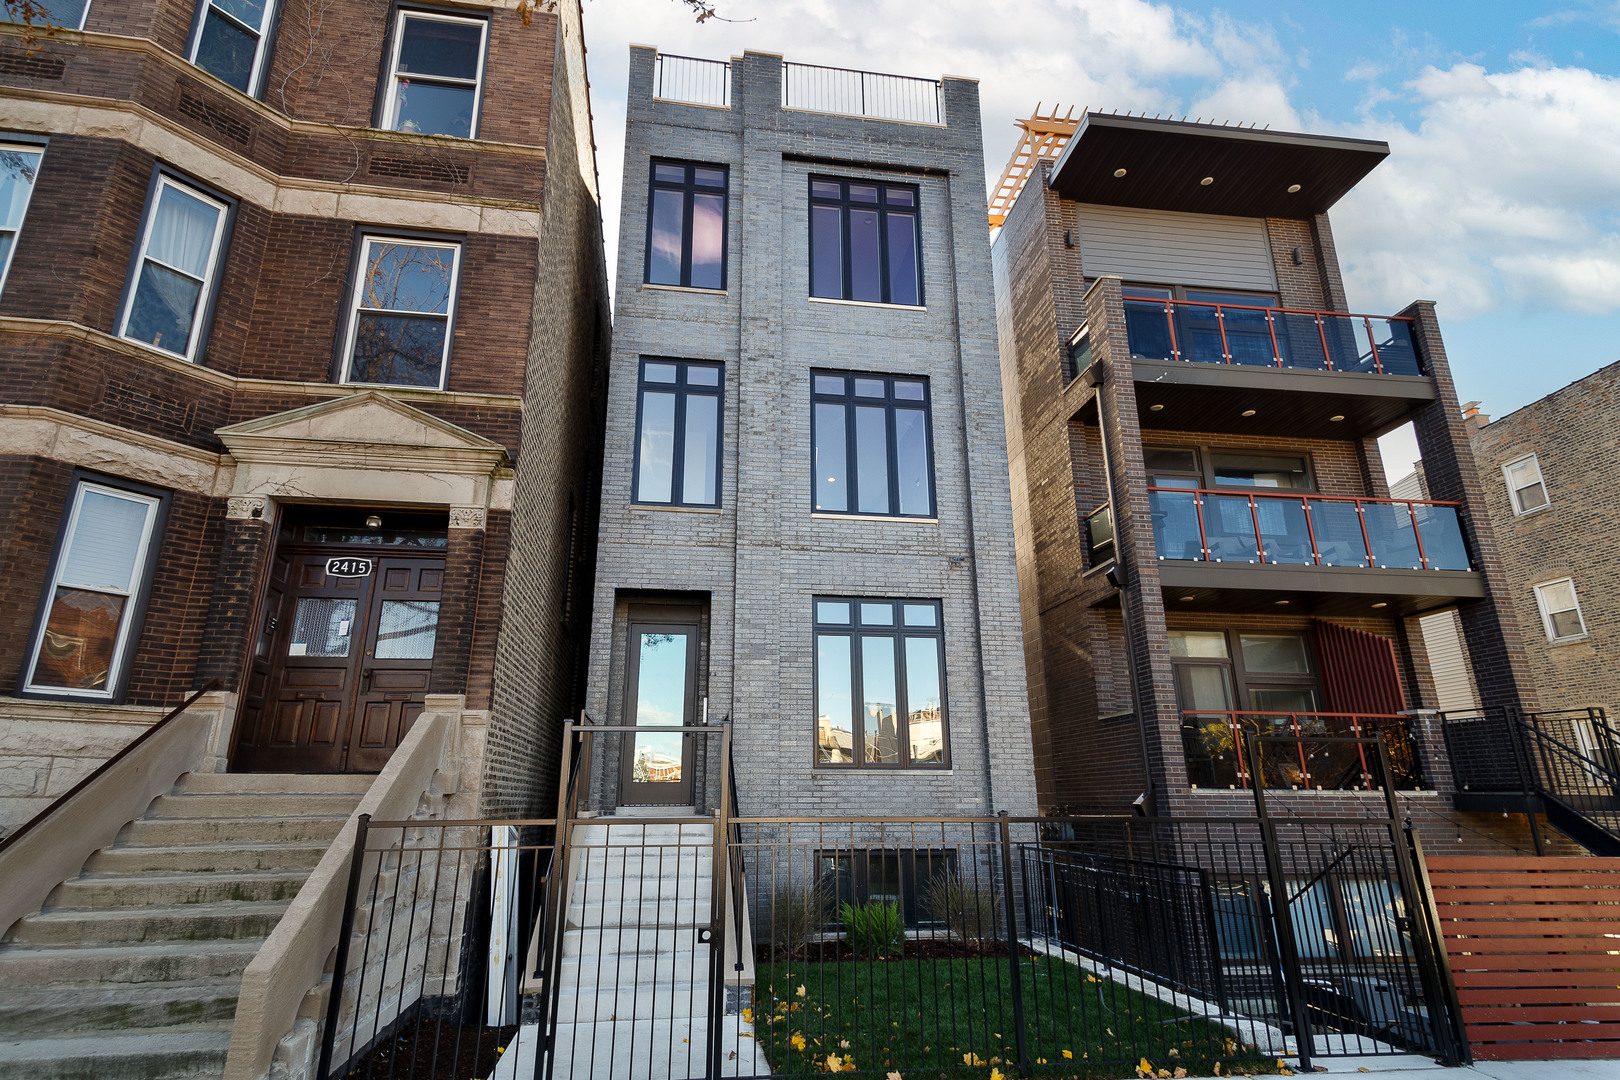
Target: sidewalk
(1417, 1068)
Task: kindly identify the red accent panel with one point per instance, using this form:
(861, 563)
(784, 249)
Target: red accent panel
(1358, 670)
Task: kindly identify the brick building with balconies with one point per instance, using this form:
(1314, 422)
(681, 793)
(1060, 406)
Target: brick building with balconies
(1207, 546)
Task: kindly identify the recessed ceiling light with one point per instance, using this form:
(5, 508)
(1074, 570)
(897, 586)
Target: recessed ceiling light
(1189, 596)
(1280, 603)
(1206, 181)
(1336, 419)
(1156, 408)
(1381, 603)
(1248, 412)
(1292, 188)
(1119, 172)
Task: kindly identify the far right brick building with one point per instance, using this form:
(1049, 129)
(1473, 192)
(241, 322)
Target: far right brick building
(1551, 478)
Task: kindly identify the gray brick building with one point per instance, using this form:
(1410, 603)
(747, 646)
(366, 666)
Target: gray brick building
(1206, 543)
(805, 514)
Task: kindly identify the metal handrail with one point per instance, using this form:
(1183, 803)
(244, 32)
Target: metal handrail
(1270, 307)
(1305, 499)
(793, 96)
(101, 770)
(713, 92)
(1170, 305)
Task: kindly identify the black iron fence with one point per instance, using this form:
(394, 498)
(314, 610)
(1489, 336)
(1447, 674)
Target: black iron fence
(679, 945)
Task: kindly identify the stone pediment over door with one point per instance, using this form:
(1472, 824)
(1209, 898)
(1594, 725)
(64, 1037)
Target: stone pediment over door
(364, 448)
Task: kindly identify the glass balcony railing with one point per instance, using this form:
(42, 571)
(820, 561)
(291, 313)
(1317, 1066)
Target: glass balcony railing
(1160, 329)
(1306, 530)
(1214, 744)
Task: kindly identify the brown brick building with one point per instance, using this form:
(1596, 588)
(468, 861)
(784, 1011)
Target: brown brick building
(1551, 477)
(301, 329)
(1206, 543)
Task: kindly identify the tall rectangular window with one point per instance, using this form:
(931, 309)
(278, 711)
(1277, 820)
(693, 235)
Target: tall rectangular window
(19, 168)
(880, 685)
(864, 242)
(678, 433)
(686, 225)
(175, 267)
(401, 312)
(229, 40)
(1560, 610)
(1525, 485)
(83, 639)
(873, 445)
(434, 75)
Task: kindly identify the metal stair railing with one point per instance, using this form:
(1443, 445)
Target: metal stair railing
(1576, 777)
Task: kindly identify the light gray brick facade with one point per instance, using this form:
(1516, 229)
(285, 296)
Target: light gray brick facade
(757, 561)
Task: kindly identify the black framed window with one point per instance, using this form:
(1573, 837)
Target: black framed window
(873, 444)
(880, 682)
(229, 40)
(864, 241)
(84, 633)
(862, 874)
(686, 225)
(678, 412)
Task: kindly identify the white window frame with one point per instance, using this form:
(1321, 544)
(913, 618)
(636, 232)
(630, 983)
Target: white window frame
(138, 575)
(355, 310)
(1513, 492)
(392, 94)
(83, 15)
(1546, 614)
(21, 148)
(260, 53)
(205, 296)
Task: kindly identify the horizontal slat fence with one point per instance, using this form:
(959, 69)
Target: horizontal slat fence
(1534, 946)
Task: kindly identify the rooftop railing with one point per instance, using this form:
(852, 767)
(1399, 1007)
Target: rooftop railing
(1200, 525)
(1159, 329)
(1317, 752)
(860, 93)
(692, 81)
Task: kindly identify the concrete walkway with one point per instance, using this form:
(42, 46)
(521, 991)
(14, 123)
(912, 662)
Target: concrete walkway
(1417, 1068)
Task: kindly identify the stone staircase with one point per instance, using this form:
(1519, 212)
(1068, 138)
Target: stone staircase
(131, 969)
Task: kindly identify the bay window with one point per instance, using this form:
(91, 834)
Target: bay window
(176, 263)
(434, 76)
(401, 312)
(229, 40)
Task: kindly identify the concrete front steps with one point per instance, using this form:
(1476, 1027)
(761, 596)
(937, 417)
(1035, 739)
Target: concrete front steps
(130, 971)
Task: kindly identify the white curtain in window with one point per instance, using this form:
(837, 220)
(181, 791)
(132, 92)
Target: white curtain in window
(182, 232)
(106, 539)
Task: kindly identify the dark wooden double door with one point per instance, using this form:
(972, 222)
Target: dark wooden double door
(342, 662)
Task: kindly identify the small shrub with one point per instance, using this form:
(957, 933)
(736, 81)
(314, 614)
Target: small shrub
(797, 912)
(874, 929)
(972, 912)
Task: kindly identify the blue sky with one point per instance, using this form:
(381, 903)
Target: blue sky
(1500, 201)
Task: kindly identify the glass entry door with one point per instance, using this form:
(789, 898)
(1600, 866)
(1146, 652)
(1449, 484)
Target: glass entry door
(660, 691)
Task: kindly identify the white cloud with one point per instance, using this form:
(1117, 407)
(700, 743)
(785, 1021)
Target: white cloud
(1504, 195)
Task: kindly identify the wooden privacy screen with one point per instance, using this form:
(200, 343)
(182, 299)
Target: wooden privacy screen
(1534, 952)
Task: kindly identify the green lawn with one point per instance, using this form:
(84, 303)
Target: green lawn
(928, 1017)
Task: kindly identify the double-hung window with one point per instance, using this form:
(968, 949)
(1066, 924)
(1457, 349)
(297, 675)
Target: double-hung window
(863, 242)
(873, 452)
(686, 225)
(62, 14)
(175, 268)
(401, 312)
(678, 433)
(1525, 485)
(1560, 610)
(229, 40)
(102, 566)
(19, 167)
(435, 74)
(880, 686)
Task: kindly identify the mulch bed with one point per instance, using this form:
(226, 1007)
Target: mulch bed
(437, 1049)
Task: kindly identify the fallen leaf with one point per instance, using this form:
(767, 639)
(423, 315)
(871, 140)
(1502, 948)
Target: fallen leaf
(892, 1076)
(995, 1074)
(1068, 1055)
(834, 1063)
(800, 991)
(797, 1041)
(1180, 1073)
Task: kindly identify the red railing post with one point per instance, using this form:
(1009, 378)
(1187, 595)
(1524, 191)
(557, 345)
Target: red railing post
(1203, 537)
(1327, 357)
(1170, 324)
(1361, 516)
(1299, 745)
(1271, 325)
(1237, 749)
(1373, 345)
(1423, 557)
(1310, 529)
(1220, 324)
(1361, 749)
(1259, 544)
